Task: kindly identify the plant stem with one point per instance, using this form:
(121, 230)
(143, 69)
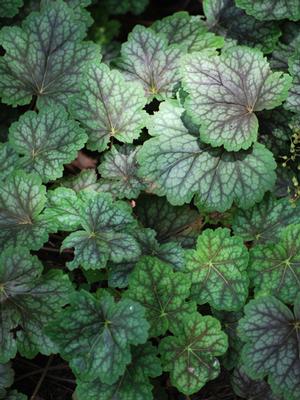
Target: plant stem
(39, 384)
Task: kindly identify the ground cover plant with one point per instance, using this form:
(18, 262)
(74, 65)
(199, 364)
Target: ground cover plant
(149, 200)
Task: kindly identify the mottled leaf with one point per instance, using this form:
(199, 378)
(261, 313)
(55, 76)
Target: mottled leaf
(275, 268)
(107, 233)
(85, 180)
(162, 292)
(148, 59)
(247, 388)
(224, 18)
(95, 334)
(22, 198)
(8, 160)
(218, 270)
(226, 91)
(271, 9)
(119, 173)
(109, 107)
(170, 253)
(9, 8)
(179, 166)
(46, 141)
(271, 333)
(264, 222)
(132, 385)
(178, 224)
(293, 100)
(188, 31)
(45, 57)
(190, 355)
(29, 300)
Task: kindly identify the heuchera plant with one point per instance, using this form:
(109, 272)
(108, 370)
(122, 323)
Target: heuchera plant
(149, 212)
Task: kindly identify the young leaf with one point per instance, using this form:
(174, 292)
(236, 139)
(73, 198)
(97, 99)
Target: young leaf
(107, 233)
(8, 160)
(265, 221)
(95, 334)
(275, 268)
(176, 224)
(179, 166)
(224, 18)
(163, 294)
(46, 141)
(147, 58)
(6, 378)
(247, 388)
(109, 107)
(9, 8)
(226, 91)
(293, 100)
(45, 57)
(189, 32)
(132, 385)
(190, 355)
(29, 300)
(271, 9)
(22, 198)
(119, 173)
(218, 270)
(271, 333)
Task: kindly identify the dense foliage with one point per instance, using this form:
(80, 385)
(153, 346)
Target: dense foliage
(149, 212)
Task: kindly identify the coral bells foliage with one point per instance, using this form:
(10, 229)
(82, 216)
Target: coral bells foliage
(149, 212)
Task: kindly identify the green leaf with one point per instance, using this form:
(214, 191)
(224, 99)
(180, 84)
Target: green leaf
(275, 268)
(45, 57)
(226, 91)
(148, 59)
(247, 388)
(265, 221)
(46, 141)
(14, 395)
(293, 100)
(170, 253)
(86, 179)
(190, 355)
(109, 107)
(119, 173)
(132, 385)
(6, 378)
(190, 32)
(271, 333)
(22, 199)
(8, 160)
(218, 270)
(95, 334)
(63, 209)
(162, 292)
(179, 166)
(271, 9)
(9, 8)
(224, 18)
(107, 233)
(177, 224)
(29, 300)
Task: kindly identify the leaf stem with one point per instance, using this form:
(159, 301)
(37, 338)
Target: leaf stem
(39, 384)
